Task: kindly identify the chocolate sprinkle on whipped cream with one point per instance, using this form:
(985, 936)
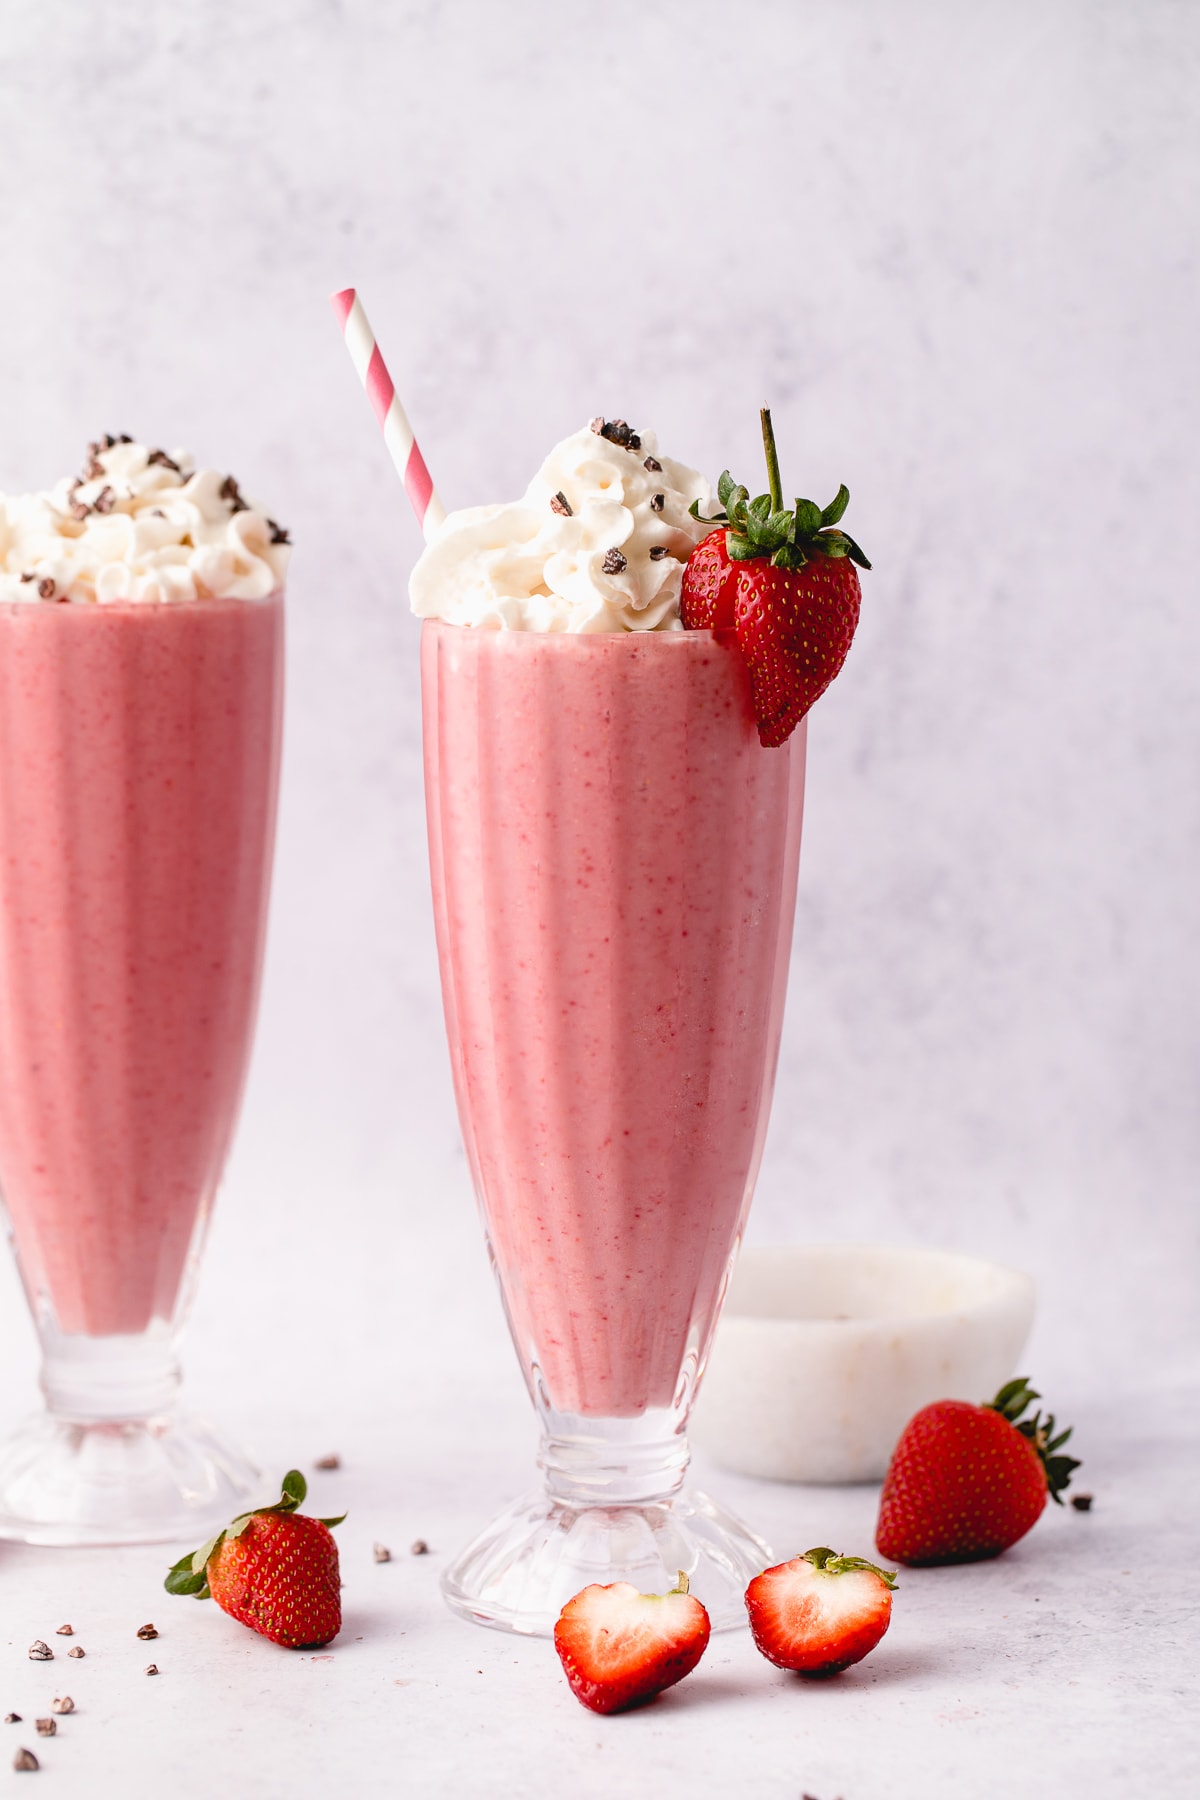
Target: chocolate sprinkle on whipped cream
(139, 524)
(617, 432)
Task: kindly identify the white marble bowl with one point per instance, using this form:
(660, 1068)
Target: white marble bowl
(825, 1351)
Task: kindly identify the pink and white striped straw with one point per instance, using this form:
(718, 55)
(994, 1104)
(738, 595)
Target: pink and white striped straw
(397, 432)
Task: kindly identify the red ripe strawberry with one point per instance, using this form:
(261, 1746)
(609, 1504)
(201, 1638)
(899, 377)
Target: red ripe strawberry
(795, 628)
(709, 581)
(274, 1570)
(819, 1613)
(620, 1648)
(965, 1482)
(786, 581)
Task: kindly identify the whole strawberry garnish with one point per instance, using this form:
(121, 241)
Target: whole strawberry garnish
(819, 1613)
(619, 1648)
(967, 1481)
(275, 1570)
(786, 582)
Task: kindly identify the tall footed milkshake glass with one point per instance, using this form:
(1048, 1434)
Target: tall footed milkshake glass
(614, 861)
(139, 754)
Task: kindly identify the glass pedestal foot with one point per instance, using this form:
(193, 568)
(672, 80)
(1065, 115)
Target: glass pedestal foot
(141, 1481)
(521, 1570)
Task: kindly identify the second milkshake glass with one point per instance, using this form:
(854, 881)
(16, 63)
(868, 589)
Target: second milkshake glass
(139, 757)
(614, 862)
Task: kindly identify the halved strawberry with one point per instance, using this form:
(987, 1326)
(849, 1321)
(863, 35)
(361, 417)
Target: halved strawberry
(819, 1613)
(965, 1482)
(619, 1648)
(785, 580)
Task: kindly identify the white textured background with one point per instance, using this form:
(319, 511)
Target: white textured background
(957, 251)
(956, 248)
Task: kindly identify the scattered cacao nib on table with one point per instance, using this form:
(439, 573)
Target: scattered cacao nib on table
(46, 1727)
(381, 1553)
(328, 1462)
(39, 1652)
(418, 1547)
(25, 1759)
(147, 1632)
(65, 1631)
(76, 1650)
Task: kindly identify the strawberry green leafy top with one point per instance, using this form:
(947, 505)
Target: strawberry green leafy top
(763, 527)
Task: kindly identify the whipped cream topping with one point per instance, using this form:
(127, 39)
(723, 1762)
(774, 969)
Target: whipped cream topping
(598, 542)
(139, 524)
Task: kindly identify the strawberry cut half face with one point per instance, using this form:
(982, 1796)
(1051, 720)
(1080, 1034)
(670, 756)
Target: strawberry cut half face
(819, 1613)
(619, 1648)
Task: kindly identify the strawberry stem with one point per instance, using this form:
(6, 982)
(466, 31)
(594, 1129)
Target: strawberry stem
(827, 1562)
(776, 485)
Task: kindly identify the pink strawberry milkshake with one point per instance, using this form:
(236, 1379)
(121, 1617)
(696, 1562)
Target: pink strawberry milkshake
(614, 872)
(141, 641)
(614, 861)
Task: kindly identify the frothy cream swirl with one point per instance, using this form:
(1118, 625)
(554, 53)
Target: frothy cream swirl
(143, 525)
(598, 542)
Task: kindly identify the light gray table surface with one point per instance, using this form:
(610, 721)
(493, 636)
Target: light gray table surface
(1067, 1667)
